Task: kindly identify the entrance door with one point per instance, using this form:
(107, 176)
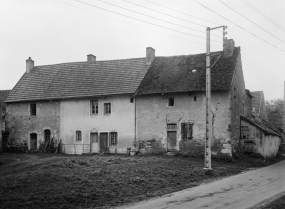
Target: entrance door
(103, 142)
(33, 140)
(171, 140)
(47, 135)
(94, 142)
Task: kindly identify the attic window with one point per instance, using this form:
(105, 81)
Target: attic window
(131, 100)
(170, 102)
(33, 109)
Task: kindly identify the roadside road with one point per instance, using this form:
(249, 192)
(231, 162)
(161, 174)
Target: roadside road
(248, 190)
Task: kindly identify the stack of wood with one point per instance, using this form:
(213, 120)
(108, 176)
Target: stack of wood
(50, 146)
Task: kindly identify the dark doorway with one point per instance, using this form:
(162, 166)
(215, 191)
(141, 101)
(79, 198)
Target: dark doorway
(47, 134)
(103, 142)
(171, 140)
(33, 140)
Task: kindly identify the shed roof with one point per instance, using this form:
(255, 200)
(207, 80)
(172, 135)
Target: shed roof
(80, 79)
(187, 73)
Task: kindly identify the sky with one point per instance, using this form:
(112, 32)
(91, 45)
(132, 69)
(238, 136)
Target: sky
(58, 31)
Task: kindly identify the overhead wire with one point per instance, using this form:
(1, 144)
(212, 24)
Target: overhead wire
(144, 21)
(164, 13)
(252, 67)
(251, 21)
(239, 26)
(262, 14)
(182, 12)
(153, 17)
(252, 59)
(131, 23)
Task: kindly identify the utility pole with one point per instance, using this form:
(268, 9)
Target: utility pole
(209, 125)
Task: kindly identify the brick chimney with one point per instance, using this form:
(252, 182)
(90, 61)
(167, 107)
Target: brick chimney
(229, 46)
(91, 58)
(150, 55)
(29, 65)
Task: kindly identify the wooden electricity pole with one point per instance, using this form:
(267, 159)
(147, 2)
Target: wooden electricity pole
(209, 125)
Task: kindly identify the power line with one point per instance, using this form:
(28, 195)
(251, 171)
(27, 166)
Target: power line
(154, 17)
(130, 23)
(251, 21)
(252, 59)
(239, 26)
(143, 21)
(262, 14)
(164, 13)
(182, 12)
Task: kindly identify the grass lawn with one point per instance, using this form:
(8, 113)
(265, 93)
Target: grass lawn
(68, 181)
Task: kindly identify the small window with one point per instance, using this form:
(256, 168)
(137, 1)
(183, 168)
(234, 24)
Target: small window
(94, 107)
(78, 137)
(195, 98)
(113, 139)
(170, 102)
(171, 126)
(244, 132)
(33, 109)
(107, 108)
(131, 100)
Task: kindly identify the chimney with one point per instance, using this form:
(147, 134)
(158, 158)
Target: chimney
(229, 46)
(150, 55)
(91, 58)
(29, 65)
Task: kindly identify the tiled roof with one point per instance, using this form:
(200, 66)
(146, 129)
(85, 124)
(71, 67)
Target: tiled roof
(3, 95)
(175, 74)
(256, 102)
(80, 79)
(262, 126)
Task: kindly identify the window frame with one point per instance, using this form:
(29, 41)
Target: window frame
(110, 109)
(95, 108)
(171, 102)
(76, 136)
(33, 109)
(111, 143)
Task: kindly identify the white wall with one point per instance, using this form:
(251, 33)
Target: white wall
(76, 115)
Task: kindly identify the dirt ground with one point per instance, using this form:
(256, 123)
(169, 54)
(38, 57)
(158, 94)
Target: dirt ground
(65, 181)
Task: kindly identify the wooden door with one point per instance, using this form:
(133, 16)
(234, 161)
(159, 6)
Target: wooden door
(94, 142)
(33, 141)
(171, 139)
(103, 142)
(47, 134)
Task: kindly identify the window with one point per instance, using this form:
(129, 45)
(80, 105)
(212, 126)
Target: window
(195, 98)
(171, 126)
(244, 132)
(94, 107)
(113, 139)
(107, 108)
(131, 100)
(33, 109)
(78, 136)
(186, 131)
(170, 102)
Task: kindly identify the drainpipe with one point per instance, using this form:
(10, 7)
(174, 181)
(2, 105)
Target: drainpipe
(135, 100)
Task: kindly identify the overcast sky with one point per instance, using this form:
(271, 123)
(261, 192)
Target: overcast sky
(57, 31)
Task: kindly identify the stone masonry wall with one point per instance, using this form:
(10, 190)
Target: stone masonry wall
(21, 124)
(238, 103)
(153, 115)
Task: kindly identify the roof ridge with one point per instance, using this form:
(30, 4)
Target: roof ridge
(83, 62)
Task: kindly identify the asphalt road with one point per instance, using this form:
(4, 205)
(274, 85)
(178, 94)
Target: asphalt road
(251, 189)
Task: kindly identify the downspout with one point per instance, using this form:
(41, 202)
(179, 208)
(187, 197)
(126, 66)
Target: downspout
(135, 142)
